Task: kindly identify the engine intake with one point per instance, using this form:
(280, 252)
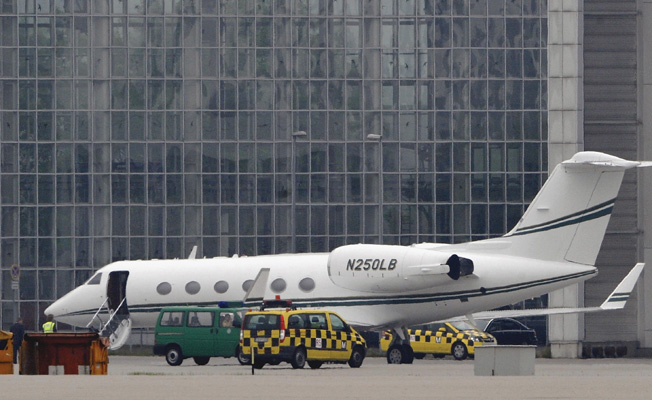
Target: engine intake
(459, 266)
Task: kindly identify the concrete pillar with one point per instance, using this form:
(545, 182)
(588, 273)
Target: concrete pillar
(644, 62)
(565, 138)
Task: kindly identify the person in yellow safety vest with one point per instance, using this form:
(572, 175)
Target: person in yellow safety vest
(49, 326)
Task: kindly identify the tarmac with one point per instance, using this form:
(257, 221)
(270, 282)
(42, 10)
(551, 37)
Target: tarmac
(142, 378)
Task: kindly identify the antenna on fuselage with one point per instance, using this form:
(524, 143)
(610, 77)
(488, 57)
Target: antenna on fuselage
(193, 253)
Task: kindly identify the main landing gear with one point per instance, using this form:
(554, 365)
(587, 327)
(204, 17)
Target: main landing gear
(400, 351)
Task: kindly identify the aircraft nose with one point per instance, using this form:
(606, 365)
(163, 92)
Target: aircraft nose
(54, 309)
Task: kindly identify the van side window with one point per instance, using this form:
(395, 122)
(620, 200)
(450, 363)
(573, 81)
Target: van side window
(172, 318)
(261, 322)
(337, 323)
(318, 321)
(226, 319)
(200, 319)
(296, 322)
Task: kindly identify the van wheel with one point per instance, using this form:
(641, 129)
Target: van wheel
(357, 357)
(201, 360)
(394, 355)
(174, 356)
(315, 364)
(298, 358)
(243, 359)
(459, 351)
(408, 354)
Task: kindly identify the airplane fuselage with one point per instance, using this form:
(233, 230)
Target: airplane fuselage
(496, 281)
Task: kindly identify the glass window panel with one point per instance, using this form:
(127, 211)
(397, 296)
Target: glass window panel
(496, 95)
(443, 63)
(461, 125)
(514, 125)
(513, 32)
(496, 32)
(461, 37)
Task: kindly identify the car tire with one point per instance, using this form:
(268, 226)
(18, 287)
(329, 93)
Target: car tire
(357, 357)
(314, 364)
(201, 360)
(298, 358)
(243, 359)
(173, 356)
(408, 354)
(459, 351)
(259, 364)
(419, 356)
(395, 355)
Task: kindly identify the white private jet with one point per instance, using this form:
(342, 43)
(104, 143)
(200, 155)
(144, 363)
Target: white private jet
(375, 287)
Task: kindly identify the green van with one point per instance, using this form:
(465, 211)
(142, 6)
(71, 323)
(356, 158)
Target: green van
(198, 332)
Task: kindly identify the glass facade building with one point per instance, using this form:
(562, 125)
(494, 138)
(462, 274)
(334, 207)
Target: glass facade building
(135, 129)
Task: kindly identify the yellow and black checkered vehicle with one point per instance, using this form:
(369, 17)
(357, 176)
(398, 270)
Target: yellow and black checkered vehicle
(458, 339)
(300, 337)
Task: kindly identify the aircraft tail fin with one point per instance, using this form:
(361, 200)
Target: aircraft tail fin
(568, 218)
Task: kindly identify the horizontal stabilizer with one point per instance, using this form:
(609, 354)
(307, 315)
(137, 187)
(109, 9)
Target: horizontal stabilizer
(620, 295)
(615, 301)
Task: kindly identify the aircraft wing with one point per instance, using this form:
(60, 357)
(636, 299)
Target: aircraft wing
(256, 292)
(616, 301)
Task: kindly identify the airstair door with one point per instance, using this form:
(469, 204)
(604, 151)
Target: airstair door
(116, 291)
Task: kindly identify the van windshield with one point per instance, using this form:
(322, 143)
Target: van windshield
(262, 321)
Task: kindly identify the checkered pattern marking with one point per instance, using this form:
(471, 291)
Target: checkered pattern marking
(439, 342)
(318, 339)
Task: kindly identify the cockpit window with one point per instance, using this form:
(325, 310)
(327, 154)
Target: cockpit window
(95, 280)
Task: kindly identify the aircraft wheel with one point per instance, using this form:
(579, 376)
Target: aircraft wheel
(314, 364)
(201, 360)
(298, 358)
(394, 355)
(243, 359)
(173, 356)
(408, 354)
(357, 357)
(459, 351)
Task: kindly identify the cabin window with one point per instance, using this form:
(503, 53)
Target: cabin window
(247, 284)
(221, 287)
(95, 280)
(193, 287)
(278, 285)
(307, 284)
(172, 318)
(164, 288)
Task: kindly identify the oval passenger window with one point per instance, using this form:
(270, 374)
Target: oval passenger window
(221, 287)
(164, 288)
(307, 284)
(192, 287)
(247, 284)
(278, 285)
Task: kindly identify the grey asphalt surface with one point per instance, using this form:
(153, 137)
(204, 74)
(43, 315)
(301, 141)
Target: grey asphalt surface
(132, 377)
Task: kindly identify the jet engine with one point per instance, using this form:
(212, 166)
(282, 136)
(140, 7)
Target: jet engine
(390, 269)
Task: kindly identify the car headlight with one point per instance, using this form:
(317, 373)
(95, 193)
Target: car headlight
(476, 339)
